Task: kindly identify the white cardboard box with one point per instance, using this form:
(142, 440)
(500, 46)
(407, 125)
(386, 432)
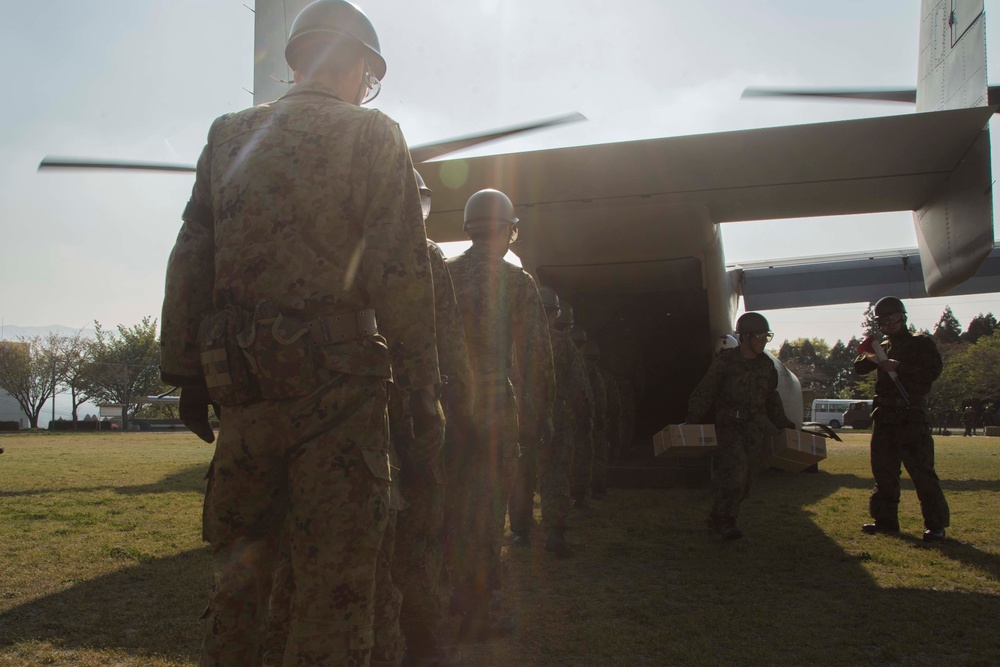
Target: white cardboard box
(685, 440)
(794, 450)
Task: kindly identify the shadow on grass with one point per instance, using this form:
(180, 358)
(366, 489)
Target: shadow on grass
(189, 479)
(152, 608)
(650, 585)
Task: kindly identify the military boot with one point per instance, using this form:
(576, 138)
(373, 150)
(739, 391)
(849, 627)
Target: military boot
(880, 526)
(729, 530)
(478, 626)
(934, 535)
(556, 543)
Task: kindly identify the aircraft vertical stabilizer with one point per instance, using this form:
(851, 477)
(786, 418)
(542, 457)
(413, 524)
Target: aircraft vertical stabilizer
(955, 226)
(272, 19)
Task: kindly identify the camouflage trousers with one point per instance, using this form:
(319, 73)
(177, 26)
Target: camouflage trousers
(417, 557)
(736, 463)
(484, 469)
(321, 464)
(582, 478)
(907, 442)
(416, 566)
(555, 465)
(521, 505)
(388, 648)
(600, 479)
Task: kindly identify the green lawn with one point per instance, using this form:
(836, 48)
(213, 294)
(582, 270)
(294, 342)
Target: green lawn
(101, 563)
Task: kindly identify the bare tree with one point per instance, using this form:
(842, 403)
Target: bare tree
(28, 369)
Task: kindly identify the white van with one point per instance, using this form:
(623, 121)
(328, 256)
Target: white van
(830, 411)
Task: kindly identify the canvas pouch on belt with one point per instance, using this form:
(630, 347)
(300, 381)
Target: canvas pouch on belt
(226, 368)
(279, 349)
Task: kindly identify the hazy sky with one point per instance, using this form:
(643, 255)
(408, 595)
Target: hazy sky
(143, 79)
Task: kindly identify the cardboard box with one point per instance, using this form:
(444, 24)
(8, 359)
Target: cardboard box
(685, 440)
(793, 450)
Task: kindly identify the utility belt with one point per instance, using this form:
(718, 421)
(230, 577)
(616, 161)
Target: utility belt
(266, 355)
(736, 413)
(892, 410)
(896, 402)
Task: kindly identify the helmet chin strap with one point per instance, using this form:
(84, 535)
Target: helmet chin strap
(359, 96)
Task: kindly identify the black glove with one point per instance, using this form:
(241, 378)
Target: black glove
(194, 411)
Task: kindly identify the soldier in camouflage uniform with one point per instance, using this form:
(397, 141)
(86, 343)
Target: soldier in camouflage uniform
(417, 559)
(570, 416)
(901, 432)
(504, 321)
(587, 443)
(742, 385)
(522, 498)
(303, 229)
(614, 430)
(602, 419)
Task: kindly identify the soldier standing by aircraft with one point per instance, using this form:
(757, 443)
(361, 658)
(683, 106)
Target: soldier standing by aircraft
(555, 461)
(742, 385)
(599, 388)
(590, 427)
(522, 498)
(614, 431)
(504, 322)
(901, 432)
(303, 225)
(417, 557)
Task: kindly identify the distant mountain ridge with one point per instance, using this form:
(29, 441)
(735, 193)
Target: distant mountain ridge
(13, 332)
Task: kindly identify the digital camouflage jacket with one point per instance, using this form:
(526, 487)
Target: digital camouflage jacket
(737, 385)
(308, 202)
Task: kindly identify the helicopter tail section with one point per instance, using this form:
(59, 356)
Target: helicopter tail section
(954, 227)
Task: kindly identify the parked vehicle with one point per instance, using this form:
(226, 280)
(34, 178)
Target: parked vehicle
(830, 411)
(858, 415)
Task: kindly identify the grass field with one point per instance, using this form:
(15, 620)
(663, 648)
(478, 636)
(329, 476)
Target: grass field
(101, 563)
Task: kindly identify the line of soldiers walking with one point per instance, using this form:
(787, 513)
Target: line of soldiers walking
(372, 395)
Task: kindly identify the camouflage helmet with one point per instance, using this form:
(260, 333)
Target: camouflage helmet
(889, 305)
(751, 323)
(488, 208)
(591, 350)
(425, 194)
(578, 335)
(565, 318)
(335, 19)
(550, 300)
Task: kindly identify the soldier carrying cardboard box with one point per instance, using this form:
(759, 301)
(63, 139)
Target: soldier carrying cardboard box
(742, 385)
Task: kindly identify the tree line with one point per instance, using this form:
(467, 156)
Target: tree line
(971, 374)
(120, 366)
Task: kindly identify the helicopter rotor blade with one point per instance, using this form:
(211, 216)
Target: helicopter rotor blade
(426, 152)
(418, 153)
(874, 94)
(77, 163)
